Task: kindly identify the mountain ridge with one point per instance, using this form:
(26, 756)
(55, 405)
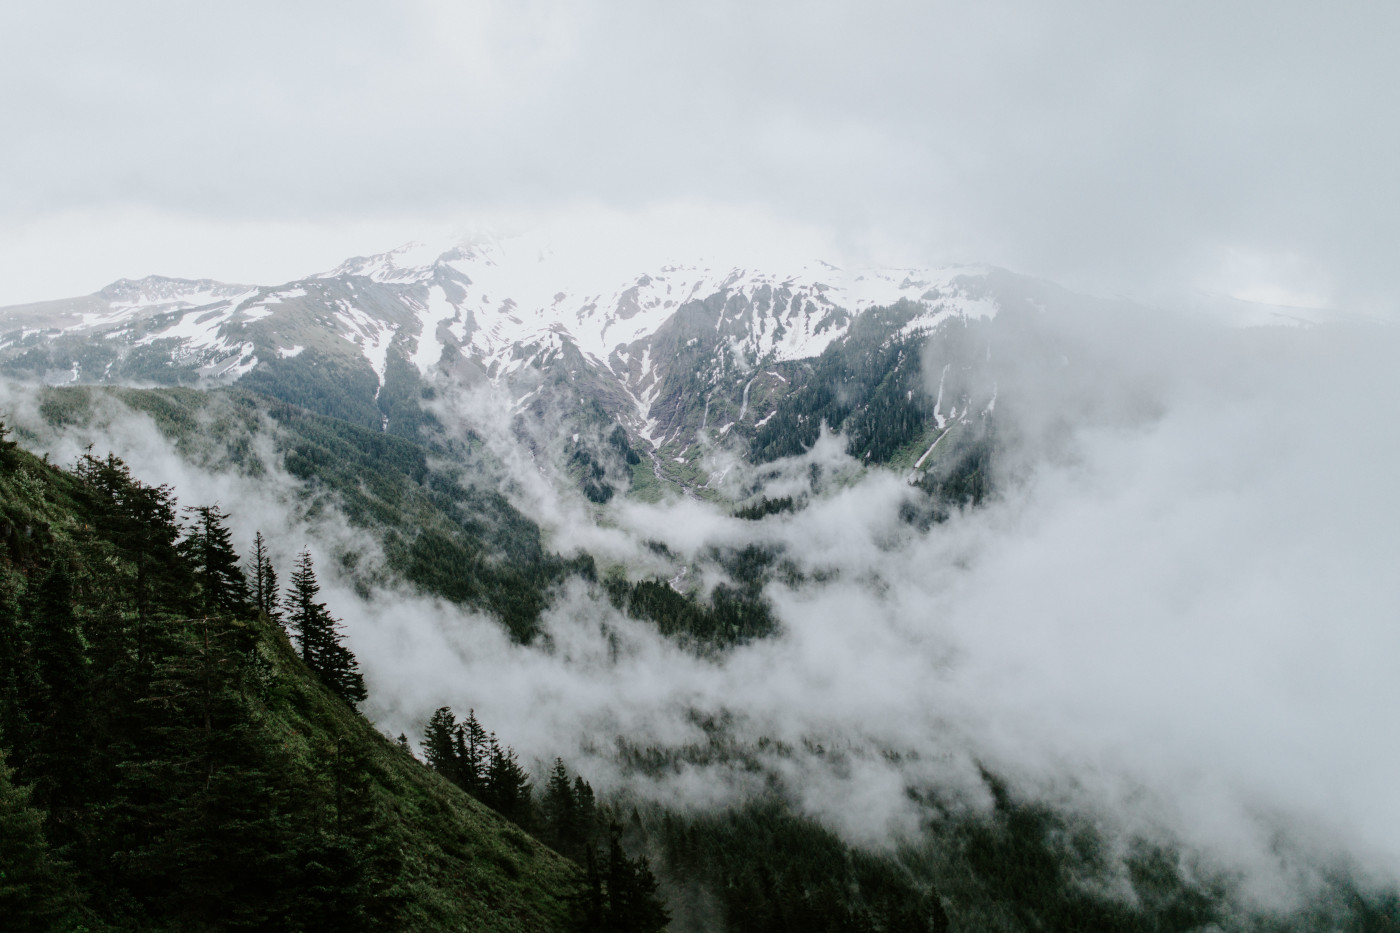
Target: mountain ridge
(481, 311)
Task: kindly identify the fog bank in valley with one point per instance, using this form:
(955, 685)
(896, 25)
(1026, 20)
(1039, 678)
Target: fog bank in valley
(1177, 613)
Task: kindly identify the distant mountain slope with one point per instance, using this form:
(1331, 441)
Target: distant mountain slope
(685, 360)
(367, 340)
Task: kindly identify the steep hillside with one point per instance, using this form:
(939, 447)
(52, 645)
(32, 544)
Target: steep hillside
(433, 518)
(190, 771)
(437, 514)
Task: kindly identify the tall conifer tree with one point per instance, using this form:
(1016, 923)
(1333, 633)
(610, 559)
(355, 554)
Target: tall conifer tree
(58, 708)
(141, 521)
(440, 744)
(507, 789)
(264, 583)
(475, 753)
(318, 636)
(208, 546)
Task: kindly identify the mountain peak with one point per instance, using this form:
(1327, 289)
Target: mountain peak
(158, 287)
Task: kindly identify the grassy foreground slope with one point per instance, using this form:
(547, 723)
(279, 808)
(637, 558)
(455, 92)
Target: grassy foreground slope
(166, 767)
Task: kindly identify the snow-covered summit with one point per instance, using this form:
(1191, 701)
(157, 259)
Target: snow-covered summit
(497, 305)
(487, 296)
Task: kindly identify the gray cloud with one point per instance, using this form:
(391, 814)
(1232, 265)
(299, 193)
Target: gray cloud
(1121, 147)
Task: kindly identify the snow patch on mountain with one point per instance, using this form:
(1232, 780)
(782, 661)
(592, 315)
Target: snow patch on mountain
(437, 312)
(370, 335)
(509, 305)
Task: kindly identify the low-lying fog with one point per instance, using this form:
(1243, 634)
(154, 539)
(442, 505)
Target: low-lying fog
(1181, 613)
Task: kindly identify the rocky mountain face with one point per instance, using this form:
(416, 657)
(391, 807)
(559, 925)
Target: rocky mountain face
(683, 358)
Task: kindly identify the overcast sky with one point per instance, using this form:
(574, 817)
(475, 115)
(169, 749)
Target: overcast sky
(1144, 149)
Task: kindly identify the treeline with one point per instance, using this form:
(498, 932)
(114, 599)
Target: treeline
(168, 759)
(764, 507)
(619, 893)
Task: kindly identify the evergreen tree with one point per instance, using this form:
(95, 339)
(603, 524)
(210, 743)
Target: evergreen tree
(560, 809)
(35, 888)
(304, 612)
(633, 906)
(7, 447)
(264, 584)
(318, 636)
(349, 871)
(507, 786)
(586, 810)
(568, 813)
(474, 753)
(619, 898)
(57, 706)
(15, 672)
(341, 672)
(439, 744)
(590, 904)
(208, 546)
(141, 521)
(204, 835)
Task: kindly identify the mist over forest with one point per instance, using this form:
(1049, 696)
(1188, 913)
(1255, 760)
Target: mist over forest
(799, 466)
(1166, 616)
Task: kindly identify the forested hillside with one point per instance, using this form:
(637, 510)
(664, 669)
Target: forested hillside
(442, 524)
(171, 762)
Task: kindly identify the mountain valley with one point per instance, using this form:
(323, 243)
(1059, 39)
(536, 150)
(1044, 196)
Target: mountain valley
(742, 553)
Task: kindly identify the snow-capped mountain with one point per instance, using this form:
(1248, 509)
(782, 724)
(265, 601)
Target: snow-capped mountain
(508, 311)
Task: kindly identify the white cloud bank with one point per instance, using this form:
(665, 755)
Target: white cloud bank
(1186, 619)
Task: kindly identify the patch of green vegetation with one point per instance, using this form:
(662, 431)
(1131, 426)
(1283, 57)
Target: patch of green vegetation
(904, 457)
(733, 614)
(645, 486)
(960, 472)
(339, 386)
(684, 466)
(764, 507)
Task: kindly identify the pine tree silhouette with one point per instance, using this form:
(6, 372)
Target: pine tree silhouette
(209, 547)
(318, 636)
(264, 584)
